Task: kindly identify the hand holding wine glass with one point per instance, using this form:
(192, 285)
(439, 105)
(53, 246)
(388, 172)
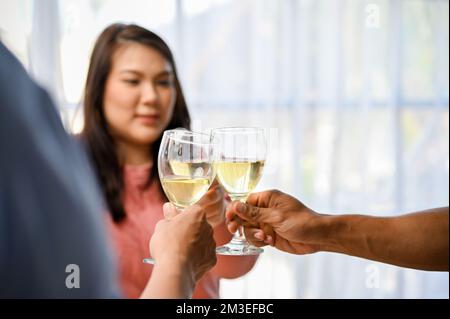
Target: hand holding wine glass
(185, 168)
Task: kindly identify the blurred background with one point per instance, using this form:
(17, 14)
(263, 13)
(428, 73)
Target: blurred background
(354, 94)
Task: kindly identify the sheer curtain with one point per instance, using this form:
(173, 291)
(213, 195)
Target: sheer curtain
(354, 94)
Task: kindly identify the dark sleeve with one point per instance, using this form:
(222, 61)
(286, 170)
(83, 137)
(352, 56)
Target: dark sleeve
(50, 205)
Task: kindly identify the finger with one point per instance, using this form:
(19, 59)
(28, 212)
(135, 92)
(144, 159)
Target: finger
(212, 196)
(255, 236)
(195, 209)
(232, 227)
(169, 210)
(240, 222)
(258, 234)
(252, 214)
(265, 235)
(216, 195)
(215, 183)
(218, 191)
(269, 240)
(268, 235)
(263, 199)
(231, 215)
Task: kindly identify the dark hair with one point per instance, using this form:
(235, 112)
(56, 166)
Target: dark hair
(100, 145)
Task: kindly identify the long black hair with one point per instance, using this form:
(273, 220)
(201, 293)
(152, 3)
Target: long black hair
(95, 134)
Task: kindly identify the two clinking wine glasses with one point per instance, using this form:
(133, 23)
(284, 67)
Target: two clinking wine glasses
(189, 162)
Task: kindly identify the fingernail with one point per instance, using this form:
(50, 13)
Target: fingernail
(241, 207)
(269, 240)
(259, 236)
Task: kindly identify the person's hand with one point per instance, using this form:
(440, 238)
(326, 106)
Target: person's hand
(277, 219)
(214, 204)
(185, 239)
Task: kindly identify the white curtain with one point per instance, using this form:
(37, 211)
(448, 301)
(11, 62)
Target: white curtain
(44, 55)
(355, 94)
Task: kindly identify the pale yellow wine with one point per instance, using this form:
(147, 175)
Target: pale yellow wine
(185, 191)
(189, 168)
(239, 178)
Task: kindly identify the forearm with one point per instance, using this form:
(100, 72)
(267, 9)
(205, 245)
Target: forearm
(418, 240)
(168, 282)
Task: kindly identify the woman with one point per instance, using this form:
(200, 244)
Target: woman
(132, 95)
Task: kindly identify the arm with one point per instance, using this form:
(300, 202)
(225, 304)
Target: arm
(418, 240)
(183, 249)
(169, 280)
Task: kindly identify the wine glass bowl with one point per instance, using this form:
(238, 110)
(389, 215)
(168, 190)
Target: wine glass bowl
(184, 166)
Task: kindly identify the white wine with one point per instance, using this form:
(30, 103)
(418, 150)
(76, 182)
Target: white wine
(188, 169)
(185, 191)
(239, 178)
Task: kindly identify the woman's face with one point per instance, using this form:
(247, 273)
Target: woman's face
(139, 94)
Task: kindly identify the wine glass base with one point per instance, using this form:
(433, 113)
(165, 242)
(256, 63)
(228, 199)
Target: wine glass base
(238, 250)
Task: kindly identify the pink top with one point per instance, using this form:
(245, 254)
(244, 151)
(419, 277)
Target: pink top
(131, 236)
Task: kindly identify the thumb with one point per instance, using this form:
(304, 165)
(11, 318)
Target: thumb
(252, 214)
(169, 210)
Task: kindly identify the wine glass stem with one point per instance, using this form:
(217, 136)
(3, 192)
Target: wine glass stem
(239, 236)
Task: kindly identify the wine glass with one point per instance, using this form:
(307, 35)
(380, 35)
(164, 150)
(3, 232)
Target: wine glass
(184, 167)
(239, 155)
